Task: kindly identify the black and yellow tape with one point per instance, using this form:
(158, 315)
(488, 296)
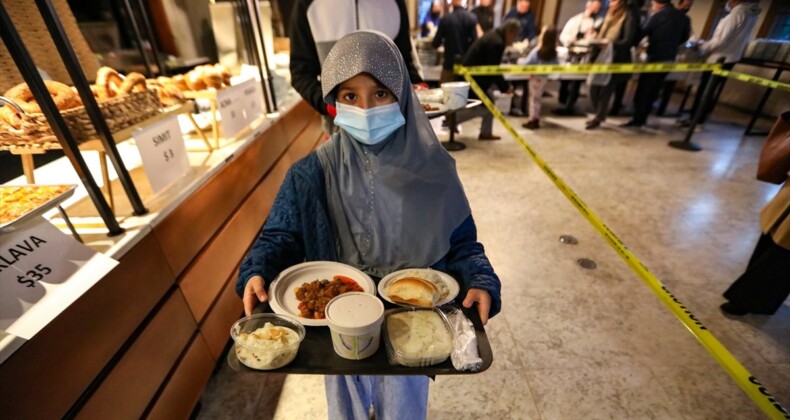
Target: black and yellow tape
(745, 380)
(619, 68)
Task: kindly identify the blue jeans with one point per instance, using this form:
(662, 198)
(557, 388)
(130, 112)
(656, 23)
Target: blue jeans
(392, 397)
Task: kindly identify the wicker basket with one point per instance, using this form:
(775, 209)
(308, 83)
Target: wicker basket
(120, 113)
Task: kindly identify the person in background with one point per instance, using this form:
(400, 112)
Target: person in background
(666, 30)
(578, 28)
(416, 216)
(485, 16)
(314, 28)
(488, 51)
(619, 28)
(457, 31)
(527, 19)
(544, 53)
(637, 8)
(726, 45)
(669, 85)
(431, 22)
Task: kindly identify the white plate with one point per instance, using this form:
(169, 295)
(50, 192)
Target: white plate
(442, 109)
(282, 297)
(452, 285)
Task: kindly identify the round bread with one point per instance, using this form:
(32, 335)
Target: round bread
(412, 291)
(180, 82)
(133, 82)
(62, 95)
(109, 80)
(194, 79)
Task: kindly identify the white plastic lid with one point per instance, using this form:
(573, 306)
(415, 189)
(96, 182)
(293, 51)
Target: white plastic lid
(354, 310)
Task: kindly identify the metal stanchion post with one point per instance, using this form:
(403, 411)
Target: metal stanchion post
(29, 72)
(707, 96)
(66, 51)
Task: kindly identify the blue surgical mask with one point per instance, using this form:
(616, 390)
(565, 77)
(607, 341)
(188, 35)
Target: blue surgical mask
(369, 126)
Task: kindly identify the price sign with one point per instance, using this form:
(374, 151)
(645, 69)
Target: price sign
(253, 99)
(163, 152)
(230, 102)
(42, 271)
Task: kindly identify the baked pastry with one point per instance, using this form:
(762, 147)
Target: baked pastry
(109, 81)
(167, 92)
(412, 291)
(62, 95)
(133, 82)
(194, 79)
(180, 82)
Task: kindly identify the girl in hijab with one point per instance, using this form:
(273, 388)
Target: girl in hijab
(381, 195)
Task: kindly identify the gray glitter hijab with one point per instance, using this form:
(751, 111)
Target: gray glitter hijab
(396, 204)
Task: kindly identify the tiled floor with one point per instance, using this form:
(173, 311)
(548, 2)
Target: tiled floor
(574, 343)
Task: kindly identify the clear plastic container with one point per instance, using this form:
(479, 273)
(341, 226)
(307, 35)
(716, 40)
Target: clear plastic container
(417, 336)
(266, 347)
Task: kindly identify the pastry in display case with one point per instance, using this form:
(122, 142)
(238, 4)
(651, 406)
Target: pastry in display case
(24, 202)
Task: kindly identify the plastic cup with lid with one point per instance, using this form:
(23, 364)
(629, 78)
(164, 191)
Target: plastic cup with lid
(354, 321)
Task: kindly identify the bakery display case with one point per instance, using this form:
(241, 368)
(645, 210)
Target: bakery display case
(169, 302)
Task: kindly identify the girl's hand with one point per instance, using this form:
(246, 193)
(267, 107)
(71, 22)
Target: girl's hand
(254, 293)
(483, 300)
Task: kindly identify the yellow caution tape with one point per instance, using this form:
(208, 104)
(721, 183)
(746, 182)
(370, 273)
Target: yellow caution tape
(748, 383)
(587, 68)
(773, 84)
(618, 68)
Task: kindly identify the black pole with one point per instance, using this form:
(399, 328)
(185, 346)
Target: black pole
(27, 67)
(60, 38)
(149, 31)
(707, 96)
(252, 39)
(138, 38)
(268, 81)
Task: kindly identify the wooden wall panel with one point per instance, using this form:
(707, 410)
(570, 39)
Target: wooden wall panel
(50, 372)
(216, 328)
(182, 392)
(131, 385)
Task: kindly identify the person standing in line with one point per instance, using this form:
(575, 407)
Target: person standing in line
(431, 22)
(315, 26)
(488, 51)
(418, 215)
(669, 85)
(485, 16)
(527, 19)
(619, 30)
(544, 53)
(637, 8)
(457, 31)
(666, 30)
(578, 28)
(726, 45)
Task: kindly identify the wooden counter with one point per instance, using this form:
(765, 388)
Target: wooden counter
(144, 341)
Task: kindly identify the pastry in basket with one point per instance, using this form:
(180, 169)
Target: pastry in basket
(413, 291)
(180, 82)
(21, 95)
(167, 91)
(108, 83)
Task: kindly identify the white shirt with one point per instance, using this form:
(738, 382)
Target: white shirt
(732, 34)
(575, 25)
